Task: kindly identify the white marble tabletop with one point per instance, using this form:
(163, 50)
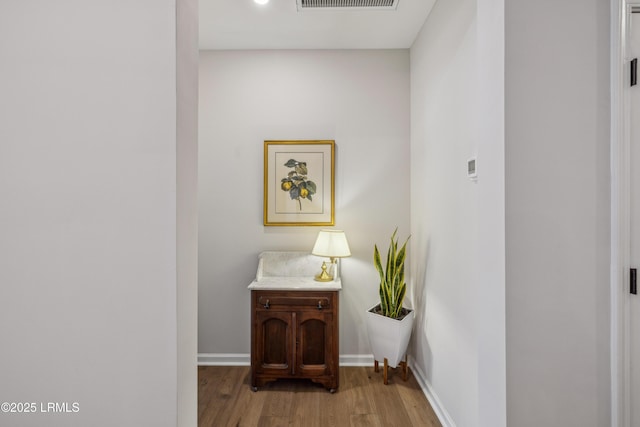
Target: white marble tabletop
(300, 283)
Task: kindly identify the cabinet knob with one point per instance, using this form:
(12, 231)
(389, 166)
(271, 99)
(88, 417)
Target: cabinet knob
(320, 305)
(266, 305)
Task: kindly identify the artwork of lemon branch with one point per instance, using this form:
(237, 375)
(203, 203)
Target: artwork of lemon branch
(297, 183)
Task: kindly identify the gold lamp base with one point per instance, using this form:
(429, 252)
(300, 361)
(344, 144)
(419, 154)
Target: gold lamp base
(324, 276)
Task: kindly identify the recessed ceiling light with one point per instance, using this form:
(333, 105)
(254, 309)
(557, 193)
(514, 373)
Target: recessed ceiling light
(261, 1)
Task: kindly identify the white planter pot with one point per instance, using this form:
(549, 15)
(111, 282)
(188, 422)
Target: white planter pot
(389, 337)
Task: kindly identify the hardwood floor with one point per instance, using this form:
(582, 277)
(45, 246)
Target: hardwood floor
(225, 399)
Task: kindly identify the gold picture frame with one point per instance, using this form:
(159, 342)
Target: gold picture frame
(299, 185)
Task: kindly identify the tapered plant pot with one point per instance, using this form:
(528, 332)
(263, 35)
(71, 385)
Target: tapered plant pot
(389, 338)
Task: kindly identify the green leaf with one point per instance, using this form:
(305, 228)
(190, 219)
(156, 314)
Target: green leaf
(392, 285)
(301, 168)
(311, 186)
(291, 163)
(294, 193)
(378, 262)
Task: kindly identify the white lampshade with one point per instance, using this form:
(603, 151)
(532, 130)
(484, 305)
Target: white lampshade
(332, 244)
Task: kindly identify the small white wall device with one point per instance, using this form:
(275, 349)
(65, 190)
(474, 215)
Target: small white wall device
(472, 169)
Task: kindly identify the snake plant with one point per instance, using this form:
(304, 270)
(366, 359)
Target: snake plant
(392, 284)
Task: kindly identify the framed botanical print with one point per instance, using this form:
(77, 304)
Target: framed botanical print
(299, 183)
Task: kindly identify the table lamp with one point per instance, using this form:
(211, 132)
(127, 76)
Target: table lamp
(332, 244)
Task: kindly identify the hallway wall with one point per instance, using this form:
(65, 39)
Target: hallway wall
(359, 98)
(457, 225)
(89, 272)
(557, 199)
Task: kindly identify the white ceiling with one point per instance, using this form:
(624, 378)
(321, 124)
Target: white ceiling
(243, 24)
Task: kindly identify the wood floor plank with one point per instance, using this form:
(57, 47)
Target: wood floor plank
(249, 413)
(389, 405)
(213, 401)
(279, 398)
(365, 420)
(413, 400)
(225, 399)
(306, 406)
(335, 408)
(359, 396)
(246, 409)
(273, 422)
(222, 386)
(205, 394)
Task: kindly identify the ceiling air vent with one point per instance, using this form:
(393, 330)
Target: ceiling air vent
(347, 4)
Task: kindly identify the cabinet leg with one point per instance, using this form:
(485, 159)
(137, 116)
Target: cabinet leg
(386, 371)
(375, 366)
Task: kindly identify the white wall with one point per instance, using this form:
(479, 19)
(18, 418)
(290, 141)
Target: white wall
(358, 98)
(490, 243)
(187, 57)
(458, 225)
(548, 125)
(557, 205)
(88, 214)
(509, 275)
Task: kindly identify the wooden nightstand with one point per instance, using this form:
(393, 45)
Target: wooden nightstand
(295, 330)
(294, 335)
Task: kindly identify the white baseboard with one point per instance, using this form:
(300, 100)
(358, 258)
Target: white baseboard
(244, 359)
(432, 397)
(224, 359)
(356, 360)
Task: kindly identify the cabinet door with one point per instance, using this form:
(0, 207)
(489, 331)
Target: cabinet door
(273, 343)
(314, 343)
